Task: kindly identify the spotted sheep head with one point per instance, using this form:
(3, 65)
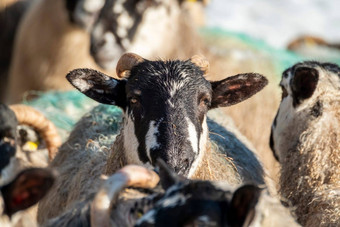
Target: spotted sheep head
(307, 89)
(146, 27)
(165, 104)
(199, 203)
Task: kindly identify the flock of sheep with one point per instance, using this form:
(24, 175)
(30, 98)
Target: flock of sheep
(176, 157)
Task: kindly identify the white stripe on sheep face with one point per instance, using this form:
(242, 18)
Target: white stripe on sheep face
(165, 105)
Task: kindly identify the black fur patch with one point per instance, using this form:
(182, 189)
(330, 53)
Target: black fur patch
(70, 7)
(303, 84)
(271, 139)
(316, 110)
(271, 144)
(8, 125)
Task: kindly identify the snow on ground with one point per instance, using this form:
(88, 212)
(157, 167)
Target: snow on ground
(277, 21)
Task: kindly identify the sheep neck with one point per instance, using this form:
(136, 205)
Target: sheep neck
(312, 172)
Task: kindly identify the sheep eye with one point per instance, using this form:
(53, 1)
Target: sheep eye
(284, 92)
(205, 101)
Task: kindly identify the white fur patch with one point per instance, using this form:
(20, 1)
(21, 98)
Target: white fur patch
(125, 21)
(118, 6)
(192, 135)
(204, 219)
(158, 21)
(81, 84)
(175, 86)
(93, 5)
(202, 148)
(130, 141)
(151, 137)
(109, 37)
(175, 200)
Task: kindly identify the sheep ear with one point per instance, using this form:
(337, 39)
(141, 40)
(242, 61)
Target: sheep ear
(26, 189)
(167, 176)
(242, 208)
(304, 83)
(98, 86)
(235, 89)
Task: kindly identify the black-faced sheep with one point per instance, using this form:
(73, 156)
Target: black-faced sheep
(25, 137)
(165, 105)
(182, 203)
(51, 40)
(25, 190)
(305, 139)
(177, 38)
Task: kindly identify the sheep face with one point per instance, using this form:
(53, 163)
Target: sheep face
(308, 89)
(144, 27)
(8, 125)
(165, 105)
(84, 12)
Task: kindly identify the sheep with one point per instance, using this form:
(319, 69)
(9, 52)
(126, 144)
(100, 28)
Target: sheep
(305, 139)
(169, 124)
(25, 190)
(51, 40)
(22, 128)
(9, 20)
(130, 26)
(178, 38)
(183, 202)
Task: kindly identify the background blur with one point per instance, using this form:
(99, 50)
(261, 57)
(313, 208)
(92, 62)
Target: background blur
(277, 21)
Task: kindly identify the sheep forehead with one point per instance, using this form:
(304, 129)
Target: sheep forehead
(169, 77)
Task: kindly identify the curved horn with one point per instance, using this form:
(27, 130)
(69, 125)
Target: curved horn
(126, 62)
(201, 62)
(131, 175)
(30, 116)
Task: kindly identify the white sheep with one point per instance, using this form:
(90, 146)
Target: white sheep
(305, 139)
(165, 105)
